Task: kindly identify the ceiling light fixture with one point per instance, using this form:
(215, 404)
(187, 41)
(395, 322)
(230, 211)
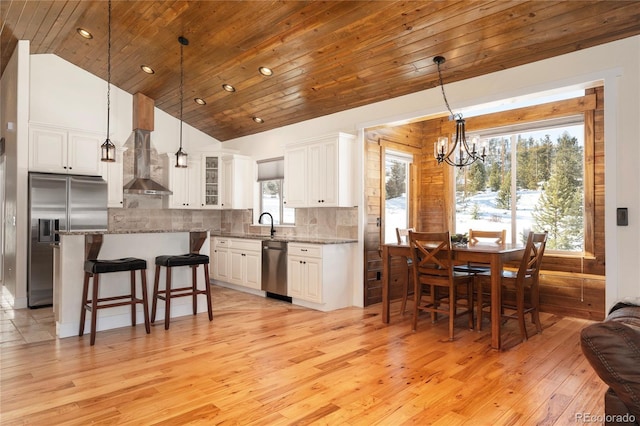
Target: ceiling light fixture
(108, 149)
(84, 33)
(199, 101)
(266, 71)
(147, 69)
(257, 120)
(181, 156)
(457, 154)
(228, 87)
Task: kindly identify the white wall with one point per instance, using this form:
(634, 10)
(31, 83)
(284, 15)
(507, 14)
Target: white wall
(67, 96)
(616, 63)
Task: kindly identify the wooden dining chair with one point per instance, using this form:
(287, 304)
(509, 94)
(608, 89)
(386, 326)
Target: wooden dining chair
(524, 283)
(433, 268)
(403, 238)
(482, 293)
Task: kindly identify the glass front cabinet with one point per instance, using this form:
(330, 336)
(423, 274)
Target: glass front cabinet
(211, 176)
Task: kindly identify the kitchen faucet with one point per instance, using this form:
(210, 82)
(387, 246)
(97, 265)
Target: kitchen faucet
(273, 231)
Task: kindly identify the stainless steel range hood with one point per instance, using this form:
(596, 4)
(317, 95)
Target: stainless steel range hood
(142, 182)
(142, 127)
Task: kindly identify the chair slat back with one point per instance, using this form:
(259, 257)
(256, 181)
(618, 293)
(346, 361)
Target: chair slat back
(403, 235)
(533, 252)
(431, 253)
(498, 237)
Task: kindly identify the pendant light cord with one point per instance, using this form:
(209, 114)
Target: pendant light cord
(181, 88)
(109, 70)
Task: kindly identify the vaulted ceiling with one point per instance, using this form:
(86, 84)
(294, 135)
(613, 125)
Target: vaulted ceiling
(326, 56)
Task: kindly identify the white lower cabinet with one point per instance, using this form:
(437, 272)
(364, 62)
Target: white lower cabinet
(237, 261)
(319, 276)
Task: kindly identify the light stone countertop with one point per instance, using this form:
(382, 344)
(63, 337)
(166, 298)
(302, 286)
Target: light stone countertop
(285, 238)
(141, 231)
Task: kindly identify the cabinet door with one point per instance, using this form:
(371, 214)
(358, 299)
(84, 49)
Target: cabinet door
(295, 276)
(221, 264)
(113, 174)
(295, 177)
(83, 154)
(227, 192)
(179, 185)
(47, 150)
(253, 270)
(323, 177)
(236, 266)
(313, 281)
(211, 178)
(194, 184)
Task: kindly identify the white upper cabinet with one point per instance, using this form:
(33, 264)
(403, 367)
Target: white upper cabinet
(184, 183)
(113, 172)
(320, 172)
(55, 150)
(226, 180)
(210, 181)
(295, 176)
(236, 182)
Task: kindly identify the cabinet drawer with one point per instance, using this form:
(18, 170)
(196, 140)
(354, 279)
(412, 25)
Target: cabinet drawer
(308, 250)
(221, 242)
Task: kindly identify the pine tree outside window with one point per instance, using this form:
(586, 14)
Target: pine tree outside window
(532, 179)
(396, 202)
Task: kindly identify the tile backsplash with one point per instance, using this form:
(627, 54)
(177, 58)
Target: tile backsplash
(325, 222)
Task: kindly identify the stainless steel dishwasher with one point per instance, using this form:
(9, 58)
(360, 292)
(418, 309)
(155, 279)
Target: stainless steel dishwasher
(274, 269)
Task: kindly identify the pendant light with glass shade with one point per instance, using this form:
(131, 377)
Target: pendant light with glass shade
(457, 154)
(181, 156)
(108, 149)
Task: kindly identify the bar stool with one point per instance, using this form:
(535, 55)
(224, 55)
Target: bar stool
(93, 268)
(192, 259)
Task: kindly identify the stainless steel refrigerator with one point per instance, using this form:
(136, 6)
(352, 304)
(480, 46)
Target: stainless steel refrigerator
(59, 202)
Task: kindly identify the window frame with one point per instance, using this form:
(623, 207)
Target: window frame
(584, 105)
(281, 206)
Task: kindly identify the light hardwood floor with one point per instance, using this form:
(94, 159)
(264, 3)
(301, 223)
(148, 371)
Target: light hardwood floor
(265, 362)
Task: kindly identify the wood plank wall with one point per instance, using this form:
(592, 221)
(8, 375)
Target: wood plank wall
(570, 285)
(406, 138)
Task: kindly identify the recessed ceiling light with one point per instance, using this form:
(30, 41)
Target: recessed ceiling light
(265, 71)
(147, 69)
(228, 87)
(200, 101)
(257, 120)
(84, 33)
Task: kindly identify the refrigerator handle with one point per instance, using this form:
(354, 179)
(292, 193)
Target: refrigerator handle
(56, 228)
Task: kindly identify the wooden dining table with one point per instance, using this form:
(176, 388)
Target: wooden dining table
(492, 254)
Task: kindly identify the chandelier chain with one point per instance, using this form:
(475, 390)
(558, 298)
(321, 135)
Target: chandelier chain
(446, 101)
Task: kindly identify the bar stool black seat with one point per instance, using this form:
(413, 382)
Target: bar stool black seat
(93, 268)
(192, 260)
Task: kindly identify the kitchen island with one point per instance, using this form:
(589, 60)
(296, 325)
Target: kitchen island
(69, 275)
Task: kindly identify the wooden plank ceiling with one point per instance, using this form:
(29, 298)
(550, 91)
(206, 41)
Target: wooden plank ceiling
(326, 56)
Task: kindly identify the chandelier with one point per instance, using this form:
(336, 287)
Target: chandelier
(108, 149)
(181, 156)
(458, 153)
